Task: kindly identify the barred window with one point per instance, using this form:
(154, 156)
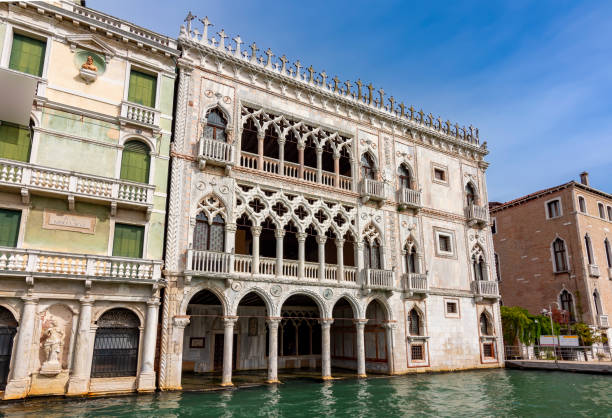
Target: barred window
(115, 351)
(416, 352)
(488, 350)
(209, 236)
(412, 264)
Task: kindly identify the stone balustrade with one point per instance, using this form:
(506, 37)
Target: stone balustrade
(30, 177)
(477, 214)
(215, 152)
(39, 263)
(139, 115)
(603, 321)
(372, 189)
(409, 198)
(415, 283)
(379, 279)
(485, 289)
(593, 270)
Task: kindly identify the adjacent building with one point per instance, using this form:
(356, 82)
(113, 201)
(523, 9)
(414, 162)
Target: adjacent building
(85, 123)
(554, 249)
(316, 223)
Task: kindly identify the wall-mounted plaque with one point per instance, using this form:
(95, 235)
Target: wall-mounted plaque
(196, 342)
(69, 222)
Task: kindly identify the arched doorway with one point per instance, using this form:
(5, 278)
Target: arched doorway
(376, 350)
(8, 329)
(252, 344)
(343, 336)
(115, 351)
(299, 334)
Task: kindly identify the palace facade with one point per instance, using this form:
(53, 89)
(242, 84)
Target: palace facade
(86, 116)
(316, 224)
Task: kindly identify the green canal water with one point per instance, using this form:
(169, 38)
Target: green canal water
(470, 394)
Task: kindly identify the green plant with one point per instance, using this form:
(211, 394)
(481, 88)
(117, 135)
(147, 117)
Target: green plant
(586, 334)
(518, 323)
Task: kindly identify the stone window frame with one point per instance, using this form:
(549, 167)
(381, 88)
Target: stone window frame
(444, 169)
(498, 275)
(609, 210)
(128, 221)
(7, 47)
(552, 255)
(448, 314)
(143, 68)
(546, 209)
(25, 212)
(586, 209)
(601, 210)
(449, 233)
(493, 226)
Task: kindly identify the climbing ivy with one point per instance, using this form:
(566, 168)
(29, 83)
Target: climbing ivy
(518, 323)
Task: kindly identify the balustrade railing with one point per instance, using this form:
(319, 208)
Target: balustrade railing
(593, 270)
(379, 279)
(33, 262)
(409, 197)
(328, 179)
(140, 115)
(311, 270)
(290, 268)
(248, 160)
(208, 261)
(243, 264)
(270, 165)
(310, 174)
(346, 183)
(603, 321)
(475, 213)
(350, 274)
(485, 288)
(415, 282)
(331, 271)
(30, 176)
(216, 151)
(372, 189)
(292, 170)
(267, 266)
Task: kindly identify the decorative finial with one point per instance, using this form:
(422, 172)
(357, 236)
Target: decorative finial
(298, 67)
(238, 41)
(270, 55)
(370, 91)
(310, 74)
(222, 36)
(336, 80)
(348, 85)
(254, 50)
(188, 19)
(206, 24)
(284, 61)
(359, 89)
(323, 79)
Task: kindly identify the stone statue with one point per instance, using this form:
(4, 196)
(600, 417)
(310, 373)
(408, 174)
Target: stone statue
(89, 64)
(53, 344)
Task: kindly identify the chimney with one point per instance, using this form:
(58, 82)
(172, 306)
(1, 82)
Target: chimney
(584, 178)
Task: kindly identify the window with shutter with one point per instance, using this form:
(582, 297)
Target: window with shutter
(128, 241)
(142, 88)
(14, 142)
(9, 227)
(27, 55)
(135, 162)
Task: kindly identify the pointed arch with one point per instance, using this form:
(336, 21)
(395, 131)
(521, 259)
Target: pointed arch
(471, 193)
(559, 255)
(265, 297)
(194, 290)
(406, 177)
(486, 324)
(567, 303)
(369, 166)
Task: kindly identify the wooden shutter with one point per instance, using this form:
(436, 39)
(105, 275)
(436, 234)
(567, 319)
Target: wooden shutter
(9, 227)
(129, 240)
(14, 142)
(27, 55)
(135, 162)
(142, 88)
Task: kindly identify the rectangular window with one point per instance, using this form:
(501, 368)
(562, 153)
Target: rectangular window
(14, 142)
(27, 55)
(494, 226)
(416, 352)
(9, 227)
(128, 241)
(439, 174)
(610, 213)
(602, 212)
(142, 88)
(487, 350)
(445, 243)
(451, 307)
(554, 209)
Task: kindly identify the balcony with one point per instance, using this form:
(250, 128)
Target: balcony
(29, 177)
(593, 270)
(142, 116)
(477, 215)
(215, 152)
(485, 289)
(36, 263)
(376, 279)
(372, 190)
(603, 321)
(415, 284)
(408, 198)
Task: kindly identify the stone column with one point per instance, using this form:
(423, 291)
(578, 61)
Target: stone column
(361, 366)
(175, 356)
(17, 385)
(146, 378)
(81, 366)
(256, 232)
(336, 169)
(279, 234)
(301, 237)
(230, 237)
(390, 326)
(321, 239)
(319, 165)
(325, 348)
(300, 148)
(359, 261)
(340, 257)
(273, 350)
(354, 176)
(260, 150)
(228, 342)
(281, 156)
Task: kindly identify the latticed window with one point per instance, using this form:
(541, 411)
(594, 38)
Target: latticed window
(485, 325)
(415, 322)
(209, 236)
(405, 180)
(559, 253)
(128, 241)
(416, 352)
(9, 227)
(367, 167)
(15, 142)
(142, 88)
(215, 126)
(135, 162)
(371, 253)
(27, 55)
(115, 351)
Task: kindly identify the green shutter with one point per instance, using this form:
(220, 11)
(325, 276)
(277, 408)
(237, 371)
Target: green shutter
(27, 55)
(128, 241)
(135, 162)
(9, 227)
(14, 142)
(142, 88)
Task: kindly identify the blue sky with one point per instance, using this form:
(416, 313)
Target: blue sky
(534, 76)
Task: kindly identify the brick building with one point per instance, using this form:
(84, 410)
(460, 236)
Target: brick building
(555, 245)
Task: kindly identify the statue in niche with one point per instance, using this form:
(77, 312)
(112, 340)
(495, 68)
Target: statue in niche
(89, 64)
(53, 344)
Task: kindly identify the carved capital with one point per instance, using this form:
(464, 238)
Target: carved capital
(279, 233)
(326, 323)
(339, 242)
(321, 239)
(229, 321)
(181, 321)
(301, 236)
(231, 227)
(273, 322)
(256, 231)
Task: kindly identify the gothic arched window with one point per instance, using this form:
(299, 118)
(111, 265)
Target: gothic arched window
(567, 303)
(209, 236)
(415, 322)
(560, 258)
(470, 194)
(405, 179)
(485, 325)
(589, 248)
(371, 253)
(412, 264)
(115, 352)
(479, 267)
(215, 126)
(608, 252)
(368, 170)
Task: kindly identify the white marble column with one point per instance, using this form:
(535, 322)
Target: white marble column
(81, 365)
(146, 378)
(340, 258)
(390, 326)
(359, 262)
(260, 150)
(361, 365)
(326, 348)
(301, 237)
(230, 243)
(174, 357)
(319, 165)
(18, 383)
(273, 350)
(279, 234)
(337, 169)
(321, 240)
(228, 349)
(300, 148)
(256, 232)
(281, 156)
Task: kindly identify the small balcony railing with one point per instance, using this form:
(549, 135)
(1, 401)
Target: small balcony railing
(485, 289)
(139, 115)
(603, 321)
(409, 198)
(215, 152)
(39, 263)
(593, 270)
(28, 177)
(378, 279)
(372, 189)
(209, 261)
(477, 214)
(415, 283)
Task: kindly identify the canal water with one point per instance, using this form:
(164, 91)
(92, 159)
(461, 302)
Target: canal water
(470, 394)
